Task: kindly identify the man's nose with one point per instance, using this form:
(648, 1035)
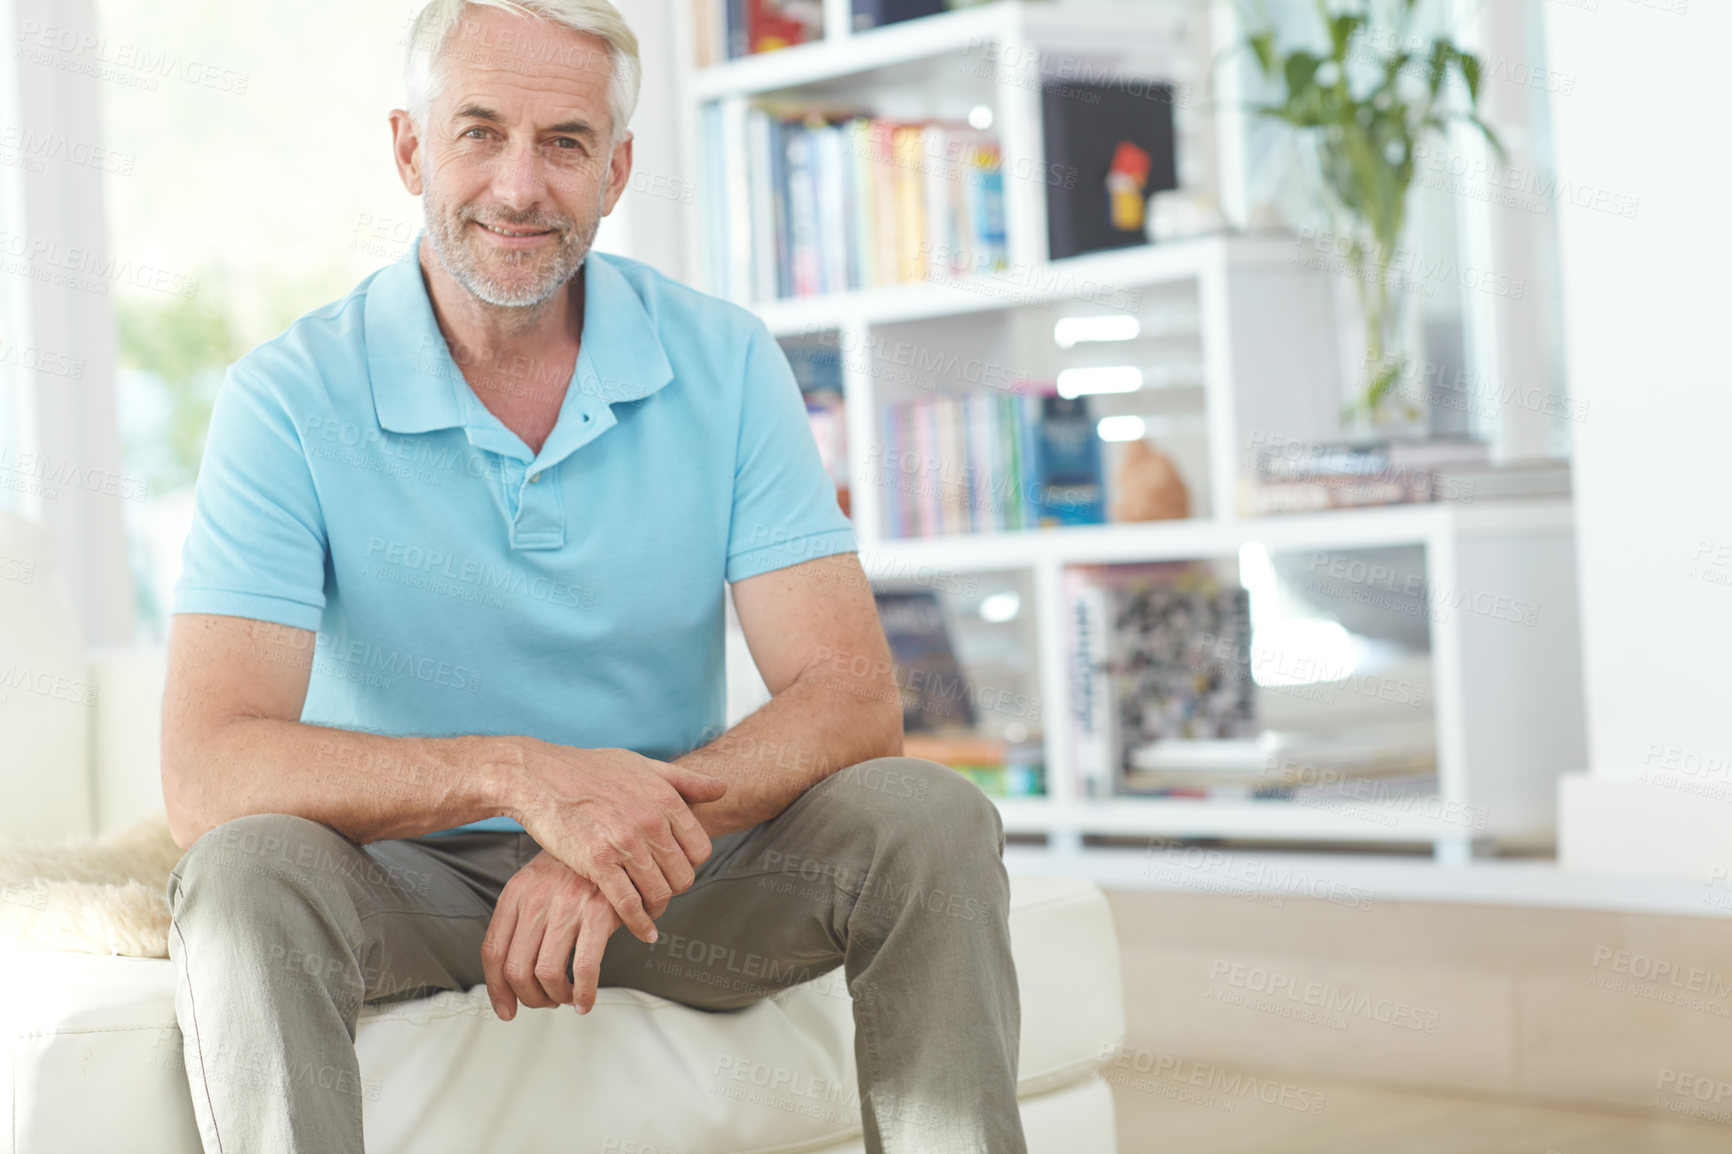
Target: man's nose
(520, 176)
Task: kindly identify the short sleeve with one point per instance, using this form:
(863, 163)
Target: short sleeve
(785, 509)
(257, 544)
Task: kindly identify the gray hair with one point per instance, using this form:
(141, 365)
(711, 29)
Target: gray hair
(432, 30)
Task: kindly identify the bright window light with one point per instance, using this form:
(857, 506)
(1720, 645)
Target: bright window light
(1257, 575)
(1115, 379)
(1122, 428)
(980, 117)
(1000, 607)
(1303, 651)
(1072, 331)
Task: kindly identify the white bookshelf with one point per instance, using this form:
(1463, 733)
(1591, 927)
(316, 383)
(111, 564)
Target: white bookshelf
(1506, 699)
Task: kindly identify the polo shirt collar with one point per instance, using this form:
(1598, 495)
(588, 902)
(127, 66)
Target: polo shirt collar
(417, 387)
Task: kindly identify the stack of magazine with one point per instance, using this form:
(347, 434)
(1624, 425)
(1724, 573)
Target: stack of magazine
(1159, 652)
(1303, 477)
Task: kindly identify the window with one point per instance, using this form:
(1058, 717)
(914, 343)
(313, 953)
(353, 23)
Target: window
(255, 169)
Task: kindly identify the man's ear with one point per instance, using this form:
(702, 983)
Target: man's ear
(618, 172)
(406, 150)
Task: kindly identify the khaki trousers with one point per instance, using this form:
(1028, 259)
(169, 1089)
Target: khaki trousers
(892, 869)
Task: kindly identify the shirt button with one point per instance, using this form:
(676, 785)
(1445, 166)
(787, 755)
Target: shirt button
(534, 477)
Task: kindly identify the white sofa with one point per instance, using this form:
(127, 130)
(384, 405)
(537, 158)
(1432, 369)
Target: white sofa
(90, 1056)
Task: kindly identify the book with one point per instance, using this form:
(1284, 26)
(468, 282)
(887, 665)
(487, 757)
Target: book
(1295, 478)
(1158, 652)
(739, 38)
(805, 269)
(1071, 488)
(1300, 461)
(1262, 499)
(933, 691)
(863, 205)
(882, 160)
(1538, 478)
(870, 14)
(841, 202)
(1093, 730)
(1284, 759)
(767, 205)
(907, 150)
(1092, 132)
(708, 37)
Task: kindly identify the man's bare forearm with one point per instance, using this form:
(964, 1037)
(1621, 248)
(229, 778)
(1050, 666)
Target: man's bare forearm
(821, 723)
(365, 786)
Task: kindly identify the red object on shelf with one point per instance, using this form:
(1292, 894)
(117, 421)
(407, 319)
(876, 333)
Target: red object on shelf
(773, 24)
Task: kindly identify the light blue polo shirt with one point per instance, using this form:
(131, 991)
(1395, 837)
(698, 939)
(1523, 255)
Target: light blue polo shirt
(354, 485)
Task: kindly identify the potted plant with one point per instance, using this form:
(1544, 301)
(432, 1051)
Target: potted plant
(1361, 109)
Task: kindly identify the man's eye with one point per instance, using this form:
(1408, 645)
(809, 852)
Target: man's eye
(472, 133)
(568, 143)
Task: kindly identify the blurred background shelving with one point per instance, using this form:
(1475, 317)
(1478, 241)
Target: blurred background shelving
(944, 389)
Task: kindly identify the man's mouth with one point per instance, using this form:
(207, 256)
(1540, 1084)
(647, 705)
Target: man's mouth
(513, 233)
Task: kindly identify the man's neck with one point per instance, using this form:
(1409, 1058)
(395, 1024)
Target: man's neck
(518, 361)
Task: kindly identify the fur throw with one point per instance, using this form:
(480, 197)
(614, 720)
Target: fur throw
(107, 895)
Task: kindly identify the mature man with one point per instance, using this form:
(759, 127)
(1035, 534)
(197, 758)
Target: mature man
(447, 655)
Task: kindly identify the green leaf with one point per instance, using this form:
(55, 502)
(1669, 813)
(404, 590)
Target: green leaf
(1437, 67)
(1301, 72)
(1470, 73)
(1342, 29)
(1263, 44)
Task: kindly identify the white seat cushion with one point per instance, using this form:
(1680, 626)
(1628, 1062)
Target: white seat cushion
(92, 1057)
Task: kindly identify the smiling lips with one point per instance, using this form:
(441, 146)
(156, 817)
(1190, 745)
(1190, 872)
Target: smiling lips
(512, 234)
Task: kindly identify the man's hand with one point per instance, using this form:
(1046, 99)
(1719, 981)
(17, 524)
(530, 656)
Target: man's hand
(619, 819)
(548, 916)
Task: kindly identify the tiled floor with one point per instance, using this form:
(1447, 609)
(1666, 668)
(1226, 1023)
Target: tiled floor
(1194, 1112)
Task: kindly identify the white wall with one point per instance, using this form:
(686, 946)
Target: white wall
(1648, 311)
(656, 220)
